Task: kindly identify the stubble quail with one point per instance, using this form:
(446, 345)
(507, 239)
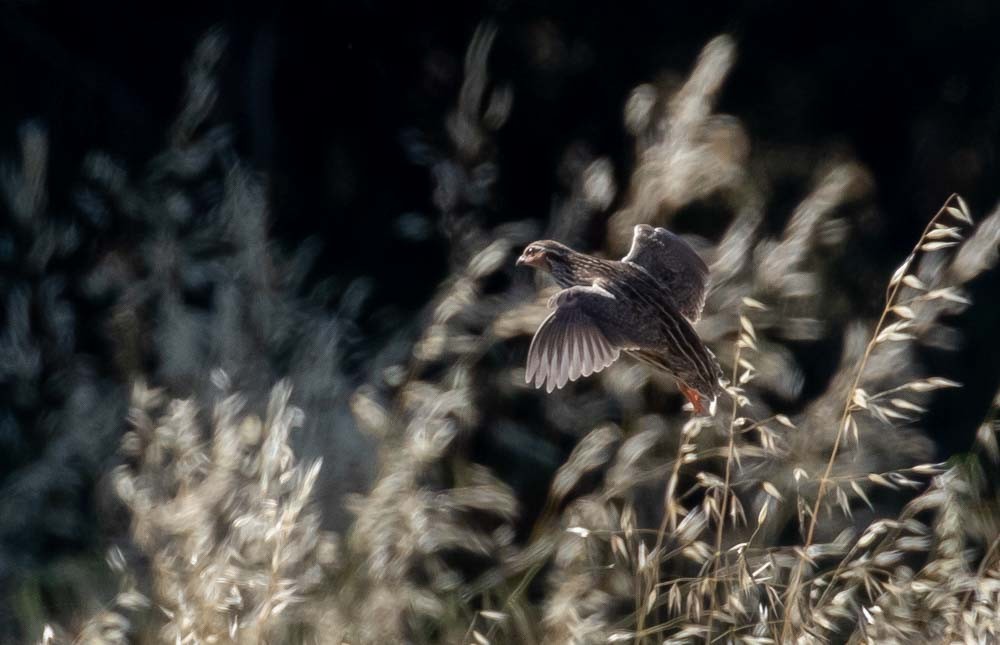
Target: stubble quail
(643, 305)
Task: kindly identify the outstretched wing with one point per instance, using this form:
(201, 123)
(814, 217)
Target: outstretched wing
(570, 342)
(674, 264)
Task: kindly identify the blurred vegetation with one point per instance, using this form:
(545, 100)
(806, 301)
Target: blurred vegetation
(183, 398)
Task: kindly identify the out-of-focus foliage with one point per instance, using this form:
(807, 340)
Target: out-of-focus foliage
(181, 274)
(196, 281)
(60, 413)
(778, 519)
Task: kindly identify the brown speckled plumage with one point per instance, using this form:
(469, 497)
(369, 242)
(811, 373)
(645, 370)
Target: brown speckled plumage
(643, 305)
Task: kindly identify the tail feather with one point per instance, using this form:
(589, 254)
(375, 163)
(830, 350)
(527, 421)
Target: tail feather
(698, 390)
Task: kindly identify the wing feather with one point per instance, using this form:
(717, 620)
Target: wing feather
(568, 345)
(674, 264)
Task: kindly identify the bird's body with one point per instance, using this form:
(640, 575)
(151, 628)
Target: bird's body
(643, 305)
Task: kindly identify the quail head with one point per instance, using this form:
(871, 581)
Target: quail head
(643, 305)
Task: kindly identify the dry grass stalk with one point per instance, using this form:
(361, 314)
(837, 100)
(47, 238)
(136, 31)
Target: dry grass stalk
(857, 397)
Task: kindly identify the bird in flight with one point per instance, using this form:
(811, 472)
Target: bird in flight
(643, 305)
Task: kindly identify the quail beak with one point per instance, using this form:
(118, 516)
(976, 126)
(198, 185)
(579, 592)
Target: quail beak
(524, 260)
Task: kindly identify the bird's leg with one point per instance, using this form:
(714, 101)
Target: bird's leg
(693, 396)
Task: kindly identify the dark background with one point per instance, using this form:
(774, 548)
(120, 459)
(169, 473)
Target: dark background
(331, 102)
(324, 98)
